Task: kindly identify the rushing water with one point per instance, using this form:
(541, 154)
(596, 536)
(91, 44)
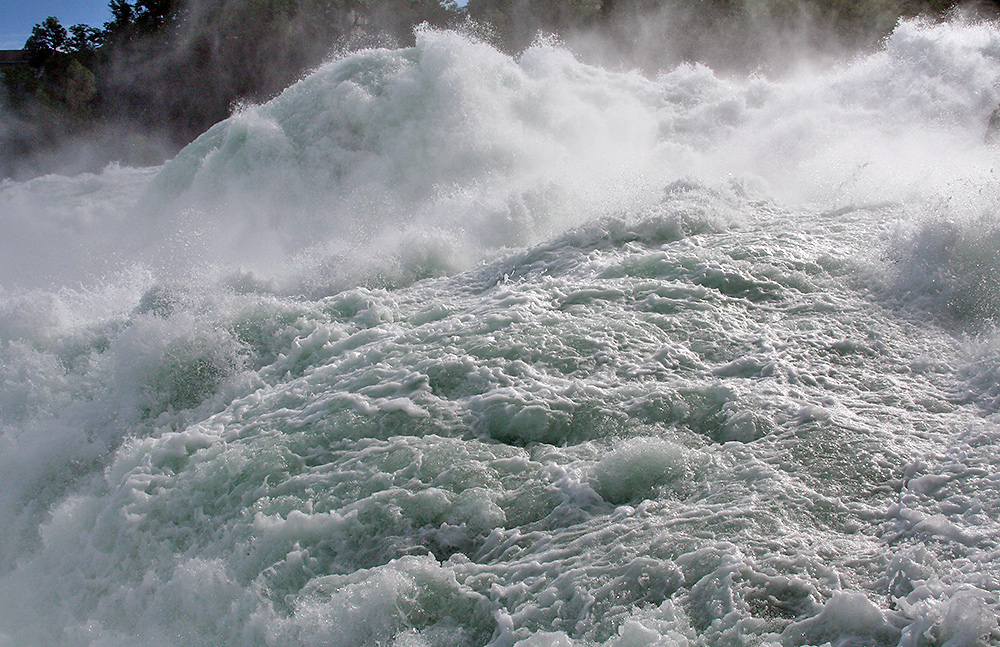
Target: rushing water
(441, 348)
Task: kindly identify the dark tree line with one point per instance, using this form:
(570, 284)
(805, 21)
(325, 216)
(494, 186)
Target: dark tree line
(726, 34)
(161, 71)
(164, 70)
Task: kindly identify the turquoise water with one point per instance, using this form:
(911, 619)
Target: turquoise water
(442, 347)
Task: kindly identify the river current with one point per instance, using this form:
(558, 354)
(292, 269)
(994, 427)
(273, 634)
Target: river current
(441, 347)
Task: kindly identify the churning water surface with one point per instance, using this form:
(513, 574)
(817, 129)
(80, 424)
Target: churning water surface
(442, 347)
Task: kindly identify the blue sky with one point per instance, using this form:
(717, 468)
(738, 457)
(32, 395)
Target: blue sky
(17, 17)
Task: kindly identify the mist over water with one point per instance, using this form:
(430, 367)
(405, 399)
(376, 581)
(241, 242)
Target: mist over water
(444, 347)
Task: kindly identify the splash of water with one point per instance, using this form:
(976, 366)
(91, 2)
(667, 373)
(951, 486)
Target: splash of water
(443, 347)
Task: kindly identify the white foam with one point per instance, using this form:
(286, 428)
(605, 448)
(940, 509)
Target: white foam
(442, 347)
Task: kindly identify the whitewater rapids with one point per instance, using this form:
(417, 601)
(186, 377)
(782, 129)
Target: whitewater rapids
(441, 347)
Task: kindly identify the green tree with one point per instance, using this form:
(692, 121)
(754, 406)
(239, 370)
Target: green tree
(79, 88)
(152, 16)
(84, 39)
(48, 39)
(122, 20)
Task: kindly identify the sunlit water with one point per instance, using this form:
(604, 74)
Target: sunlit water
(442, 348)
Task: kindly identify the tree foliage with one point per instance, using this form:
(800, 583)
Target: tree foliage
(48, 39)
